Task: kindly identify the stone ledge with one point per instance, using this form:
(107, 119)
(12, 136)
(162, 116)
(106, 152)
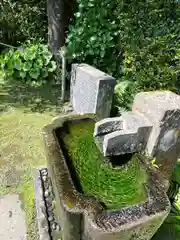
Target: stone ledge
(42, 222)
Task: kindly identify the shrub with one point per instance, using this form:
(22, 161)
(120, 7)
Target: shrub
(31, 64)
(22, 20)
(135, 40)
(124, 92)
(93, 37)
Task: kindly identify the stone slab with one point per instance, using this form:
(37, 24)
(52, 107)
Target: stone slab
(91, 90)
(155, 104)
(12, 218)
(162, 108)
(107, 125)
(128, 133)
(121, 142)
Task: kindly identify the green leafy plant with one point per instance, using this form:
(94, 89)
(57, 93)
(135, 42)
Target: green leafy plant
(31, 64)
(124, 92)
(174, 195)
(93, 36)
(22, 20)
(136, 41)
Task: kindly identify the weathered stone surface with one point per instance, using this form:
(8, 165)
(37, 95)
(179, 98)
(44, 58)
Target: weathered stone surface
(126, 134)
(91, 90)
(124, 141)
(162, 108)
(43, 227)
(12, 218)
(49, 204)
(82, 217)
(152, 126)
(108, 125)
(143, 229)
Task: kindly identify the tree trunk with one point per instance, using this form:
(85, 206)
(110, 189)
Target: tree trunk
(59, 14)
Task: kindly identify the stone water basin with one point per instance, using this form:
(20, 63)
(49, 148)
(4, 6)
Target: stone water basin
(120, 197)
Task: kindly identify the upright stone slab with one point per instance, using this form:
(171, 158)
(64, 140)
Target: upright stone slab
(91, 90)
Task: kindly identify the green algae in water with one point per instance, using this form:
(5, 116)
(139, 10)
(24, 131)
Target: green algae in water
(115, 187)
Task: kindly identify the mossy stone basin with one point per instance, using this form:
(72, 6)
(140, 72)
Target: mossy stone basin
(94, 175)
(96, 197)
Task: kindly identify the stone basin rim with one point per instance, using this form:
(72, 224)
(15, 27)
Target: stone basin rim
(156, 203)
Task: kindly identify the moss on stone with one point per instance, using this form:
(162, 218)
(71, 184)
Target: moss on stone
(115, 187)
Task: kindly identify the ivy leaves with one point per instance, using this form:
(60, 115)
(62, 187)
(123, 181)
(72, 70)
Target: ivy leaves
(32, 64)
(22, 20)
(93, 37)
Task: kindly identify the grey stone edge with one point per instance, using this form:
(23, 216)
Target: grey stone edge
(41, 215)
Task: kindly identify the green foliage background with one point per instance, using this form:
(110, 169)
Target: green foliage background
(22, 20)
(24, 23)
(31, 64)
(136, 41)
